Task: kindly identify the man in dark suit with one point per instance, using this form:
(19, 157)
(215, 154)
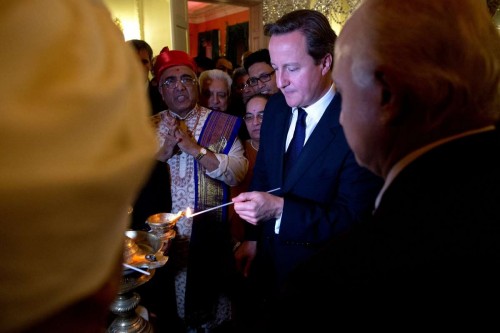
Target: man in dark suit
(425, 122)
(325, 192)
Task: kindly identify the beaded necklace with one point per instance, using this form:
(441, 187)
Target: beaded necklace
(251, 144)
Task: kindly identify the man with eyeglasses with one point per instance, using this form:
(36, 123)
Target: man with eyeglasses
(240, 93)
(240, 89)
(205, 158)
(261, 74)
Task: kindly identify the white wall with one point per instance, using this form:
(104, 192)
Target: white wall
(165, 22)
(159, 22)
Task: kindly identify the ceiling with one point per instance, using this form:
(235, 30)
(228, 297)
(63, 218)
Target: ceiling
(199, 11)
(195, 7)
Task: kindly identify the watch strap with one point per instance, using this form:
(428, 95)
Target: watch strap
(201, 154)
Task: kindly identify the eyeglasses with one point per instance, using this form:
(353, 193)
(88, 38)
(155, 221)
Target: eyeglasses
(253, 81)
(242, 87)
(250, 117)
(171, 82)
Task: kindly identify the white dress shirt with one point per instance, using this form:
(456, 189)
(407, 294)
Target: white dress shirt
(314, 113)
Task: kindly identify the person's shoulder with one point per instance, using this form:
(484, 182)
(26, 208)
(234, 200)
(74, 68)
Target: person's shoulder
(203, 109)
(277, 99)
(277, 104)
(223, 115)
(157, 118)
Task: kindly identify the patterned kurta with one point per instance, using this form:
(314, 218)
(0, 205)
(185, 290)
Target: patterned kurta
(183, 187)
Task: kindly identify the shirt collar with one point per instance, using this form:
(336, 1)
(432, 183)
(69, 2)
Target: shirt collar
(315, 111)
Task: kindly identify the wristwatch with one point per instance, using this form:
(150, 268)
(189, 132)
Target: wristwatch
(203, 152)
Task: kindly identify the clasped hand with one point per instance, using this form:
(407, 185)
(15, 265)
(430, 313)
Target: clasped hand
(176, 139)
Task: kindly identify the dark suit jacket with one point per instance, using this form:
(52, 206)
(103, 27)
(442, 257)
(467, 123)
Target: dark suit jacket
(325, 193)
(155, 99)
(154, 197)
(430, 257)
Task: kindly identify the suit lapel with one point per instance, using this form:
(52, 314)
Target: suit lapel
(322, 136)
(282, 118)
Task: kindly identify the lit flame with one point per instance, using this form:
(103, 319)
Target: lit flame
(188, 212)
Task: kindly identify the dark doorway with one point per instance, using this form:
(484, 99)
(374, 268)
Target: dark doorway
(236, 42)
(208, 44)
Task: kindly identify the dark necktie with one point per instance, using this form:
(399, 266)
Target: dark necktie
(298, 139)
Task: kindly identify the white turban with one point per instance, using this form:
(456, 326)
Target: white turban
(75, 147)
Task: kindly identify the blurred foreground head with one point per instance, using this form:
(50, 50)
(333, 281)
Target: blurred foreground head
(76, 145)
(413, 72)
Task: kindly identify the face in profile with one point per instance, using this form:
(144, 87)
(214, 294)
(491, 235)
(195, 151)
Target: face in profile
(361, 114)
(179, 88)
(254, 116)
(242, 89)
(145, 61)
(215, 95)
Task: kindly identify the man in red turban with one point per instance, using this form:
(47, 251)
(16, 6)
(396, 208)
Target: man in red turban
(205, 157)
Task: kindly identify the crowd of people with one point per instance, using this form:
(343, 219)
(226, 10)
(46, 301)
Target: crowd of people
(342, 179)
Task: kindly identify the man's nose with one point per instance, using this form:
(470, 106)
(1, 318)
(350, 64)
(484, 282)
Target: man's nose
(281, 79)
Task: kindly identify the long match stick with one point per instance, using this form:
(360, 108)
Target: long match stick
(226, 204)
(136, 269)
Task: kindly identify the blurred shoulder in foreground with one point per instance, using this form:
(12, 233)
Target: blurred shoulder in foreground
(76, 146)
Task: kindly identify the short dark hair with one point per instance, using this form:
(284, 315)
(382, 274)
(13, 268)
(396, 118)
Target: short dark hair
(264, 96)
(140, 44)
(204, 62)
(261, 55)
(320, 37)
(237, 73)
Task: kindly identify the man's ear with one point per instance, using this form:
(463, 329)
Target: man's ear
(389, 100)
(327, 64)
(385, 92)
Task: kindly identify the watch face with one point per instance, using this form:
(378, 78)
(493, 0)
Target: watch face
(202, 153)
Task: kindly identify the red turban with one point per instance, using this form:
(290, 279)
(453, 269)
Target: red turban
(167, 59)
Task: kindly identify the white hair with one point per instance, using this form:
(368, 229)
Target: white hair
(215, 74)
